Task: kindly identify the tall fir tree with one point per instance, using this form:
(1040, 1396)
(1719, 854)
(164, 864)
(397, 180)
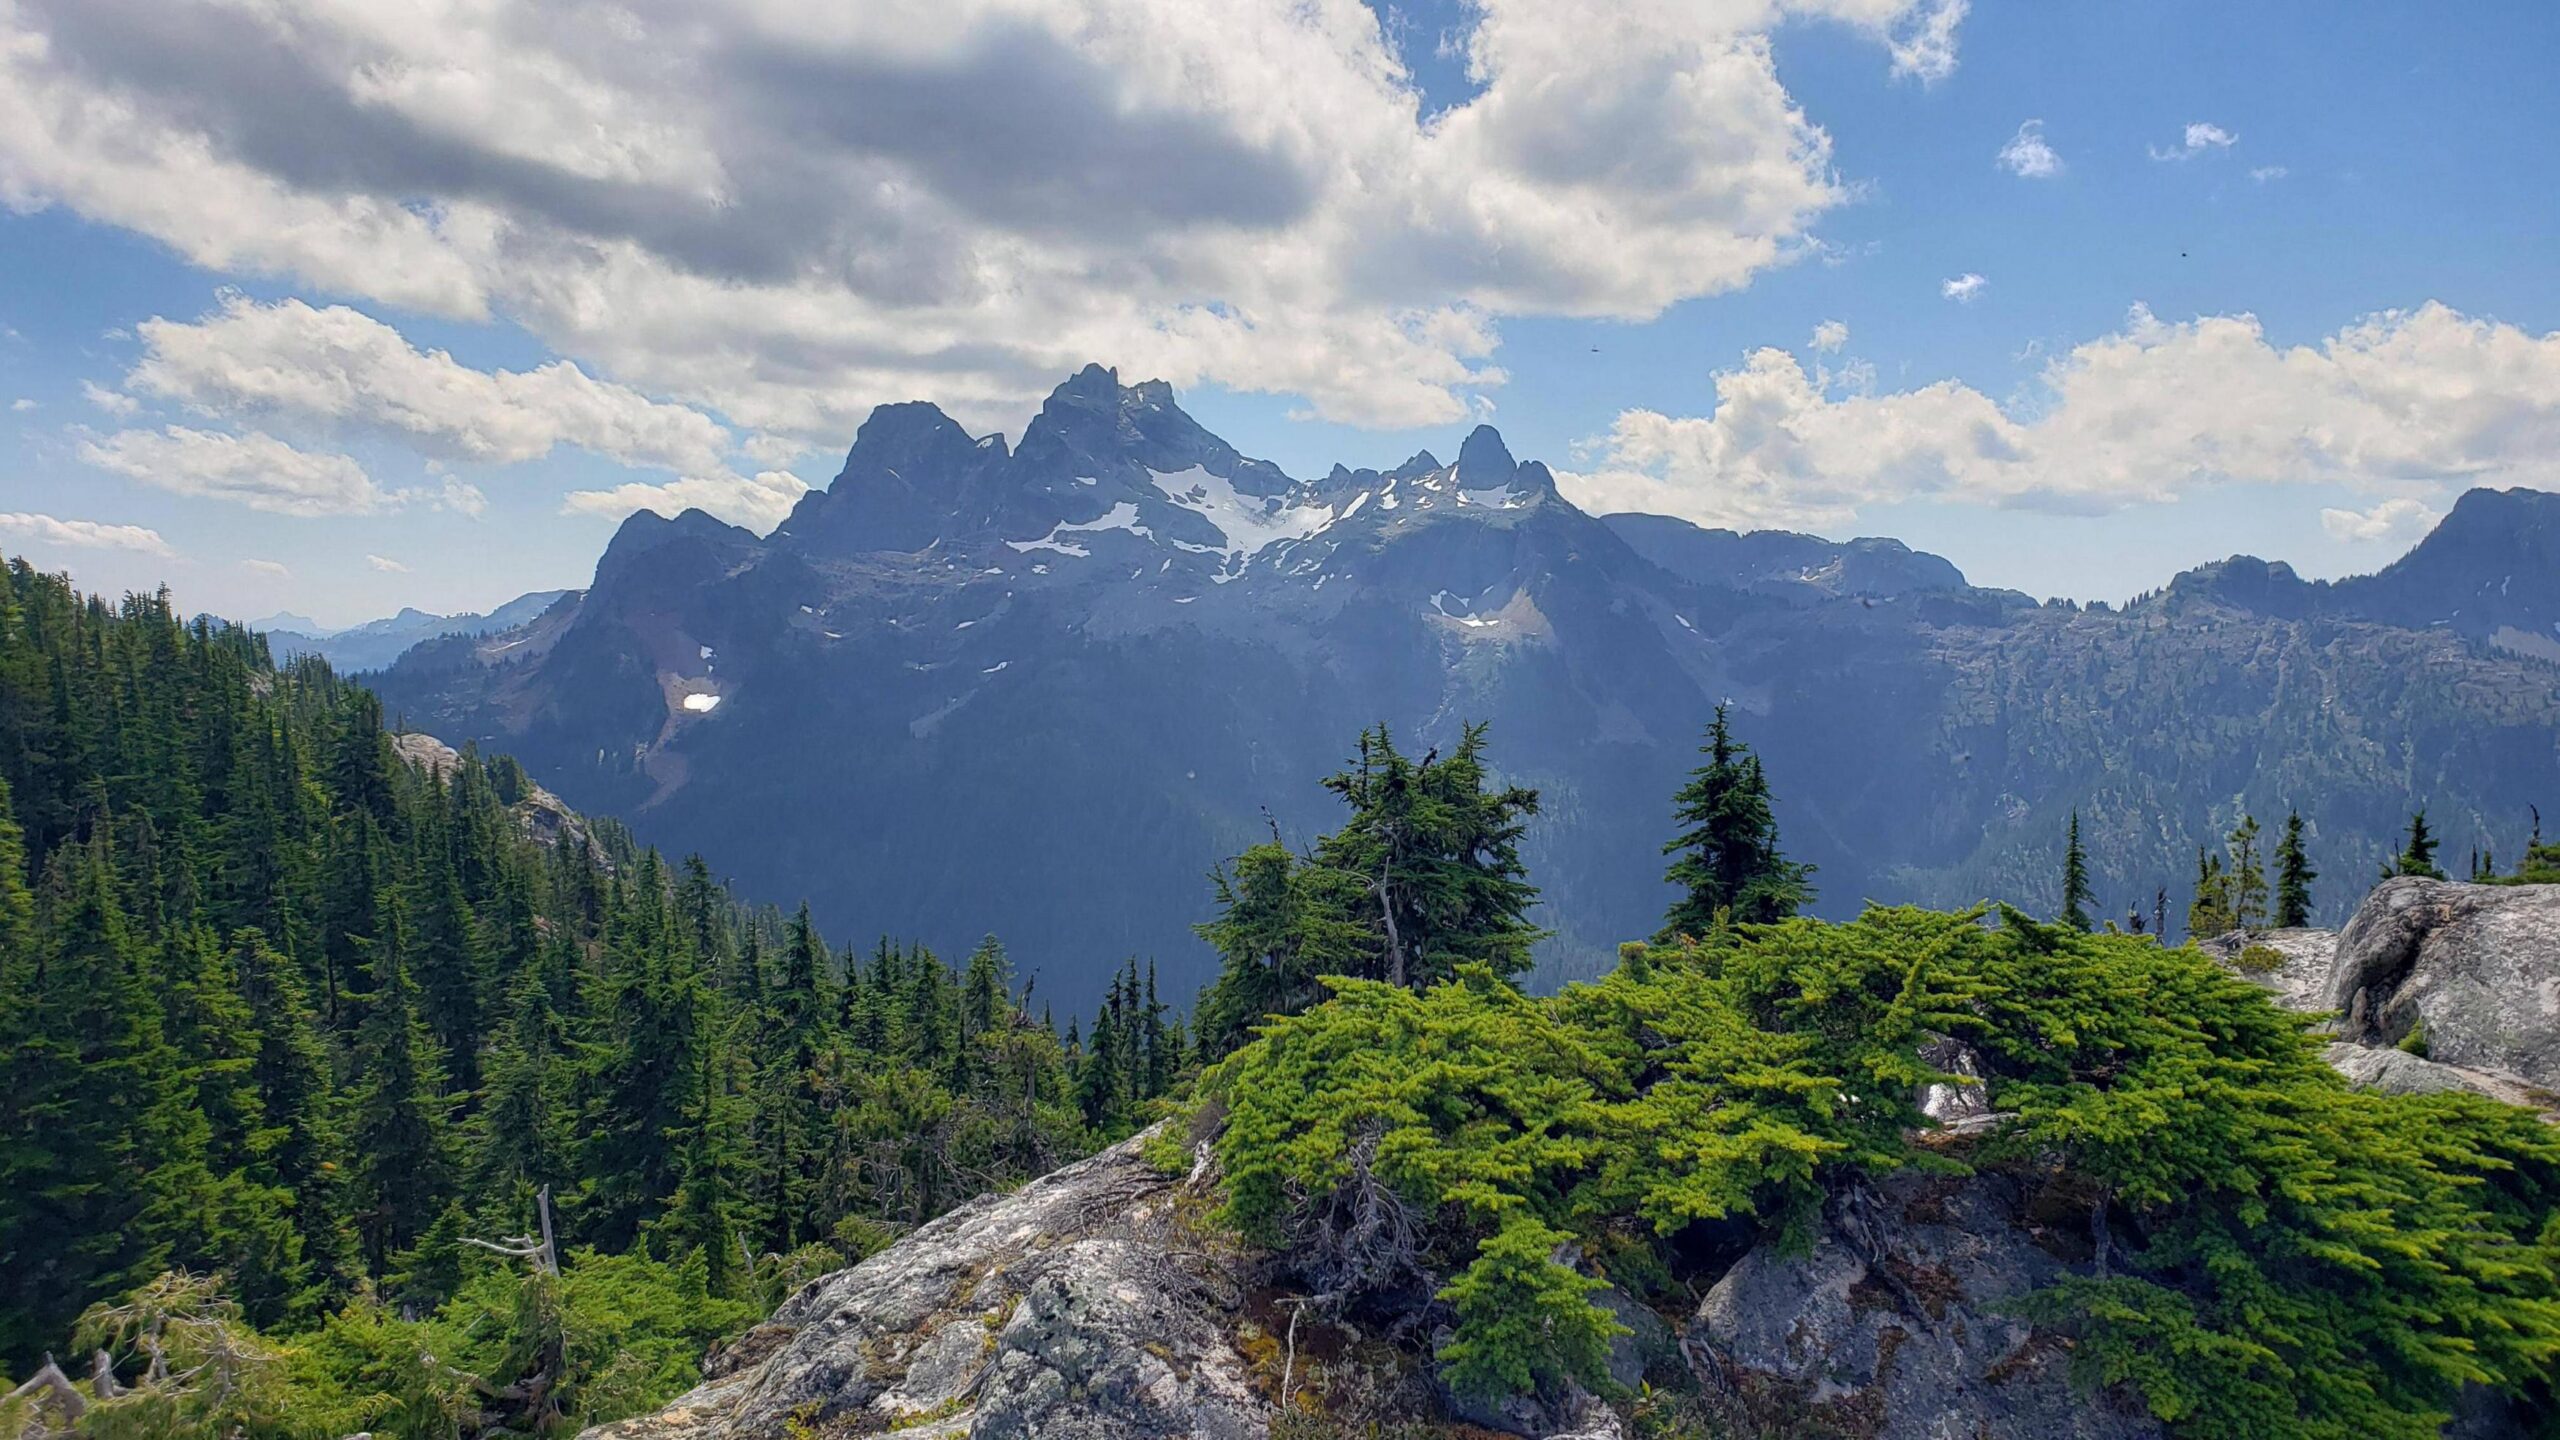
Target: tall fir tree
(1728, 864)
(2076, 895)
(2293, 875)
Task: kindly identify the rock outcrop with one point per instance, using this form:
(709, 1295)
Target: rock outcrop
(1084, 1306)
(2474, 970)
(1893, 1326)
(2432, 985)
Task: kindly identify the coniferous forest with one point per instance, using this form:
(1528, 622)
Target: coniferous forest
(284, 1008)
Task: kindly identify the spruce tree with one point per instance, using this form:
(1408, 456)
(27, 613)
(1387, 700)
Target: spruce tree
(291, 1068)
(2293, 876)
(2076, 896)
(2418, 854)
(2248, 877)
(90, 1143)
(1728, 864)
(401, 1131)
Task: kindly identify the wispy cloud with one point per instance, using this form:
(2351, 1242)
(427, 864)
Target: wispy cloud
(83, 534)
(1829, 336)
(386, 565)
(2201, 137)
(2265, 173)
(1963, 288)
(273, 569)
(2028, 156)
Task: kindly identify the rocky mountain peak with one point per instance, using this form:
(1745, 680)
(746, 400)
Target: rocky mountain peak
(1484, 459)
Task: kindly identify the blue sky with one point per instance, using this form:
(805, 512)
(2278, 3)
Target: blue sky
(1620, 249)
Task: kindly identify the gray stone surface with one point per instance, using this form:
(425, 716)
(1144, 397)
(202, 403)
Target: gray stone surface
(1080, 1307)
(2478, 966)
(1891, 1326)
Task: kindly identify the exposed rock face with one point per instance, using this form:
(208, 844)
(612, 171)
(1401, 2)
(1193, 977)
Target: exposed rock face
(2477, 966)
(1890, 1327)
(2471, 971)
(1081, 1307)
(2301, 981)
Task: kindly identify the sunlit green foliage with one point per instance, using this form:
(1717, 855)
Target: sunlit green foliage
(2290, 1258)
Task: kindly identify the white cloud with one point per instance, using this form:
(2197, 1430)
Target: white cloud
(2402, 517)
(759, 503)
(2406, 400)
(255, 469)
(22, 405)
(82, 534)
(2265, 173)
(1925, 48)
(273, 569)
(1963, 288)
(386, 565)
(1829, 336)
(2028, 156)
(108, 400)
(337, 367)
(784, 213)
(2200, 137)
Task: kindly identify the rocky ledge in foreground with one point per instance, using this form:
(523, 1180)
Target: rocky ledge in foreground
(2433, 985)
(1084, 1306)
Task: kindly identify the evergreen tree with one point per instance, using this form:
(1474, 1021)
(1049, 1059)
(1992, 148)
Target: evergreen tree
(2210, 913)
(400, 1136)
(2418, 855)
(1728, 864)
(291, 1068)
(2293, 876)
(2248, 877)
(2076, 896)
(90, 1146)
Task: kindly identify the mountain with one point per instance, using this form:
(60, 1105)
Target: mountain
(1044, 687)
(374, 644)
(2485, 572)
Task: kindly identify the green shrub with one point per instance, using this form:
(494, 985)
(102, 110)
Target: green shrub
(2298, 1259)
(2260, 959)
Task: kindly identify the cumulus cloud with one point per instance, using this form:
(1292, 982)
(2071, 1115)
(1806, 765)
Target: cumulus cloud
(1963, 288)
(255, 469)
(1829, 336)
(759, 503)
(2200, 137)
(2400, 518)
(783, 213)
(22, 405)
(338, 367)
(82, 534)
(386, 565)
(2028, 156)
(2398, 400)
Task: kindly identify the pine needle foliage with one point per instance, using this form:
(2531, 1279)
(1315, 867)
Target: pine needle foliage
(2290, 1258)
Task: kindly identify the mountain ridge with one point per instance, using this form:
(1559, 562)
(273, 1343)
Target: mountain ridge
(1045, 685)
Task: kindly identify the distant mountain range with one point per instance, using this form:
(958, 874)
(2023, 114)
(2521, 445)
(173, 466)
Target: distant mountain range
(1038, 690)
(374, 644)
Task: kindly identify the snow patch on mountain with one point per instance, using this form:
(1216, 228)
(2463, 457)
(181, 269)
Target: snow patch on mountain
(1249, 523)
